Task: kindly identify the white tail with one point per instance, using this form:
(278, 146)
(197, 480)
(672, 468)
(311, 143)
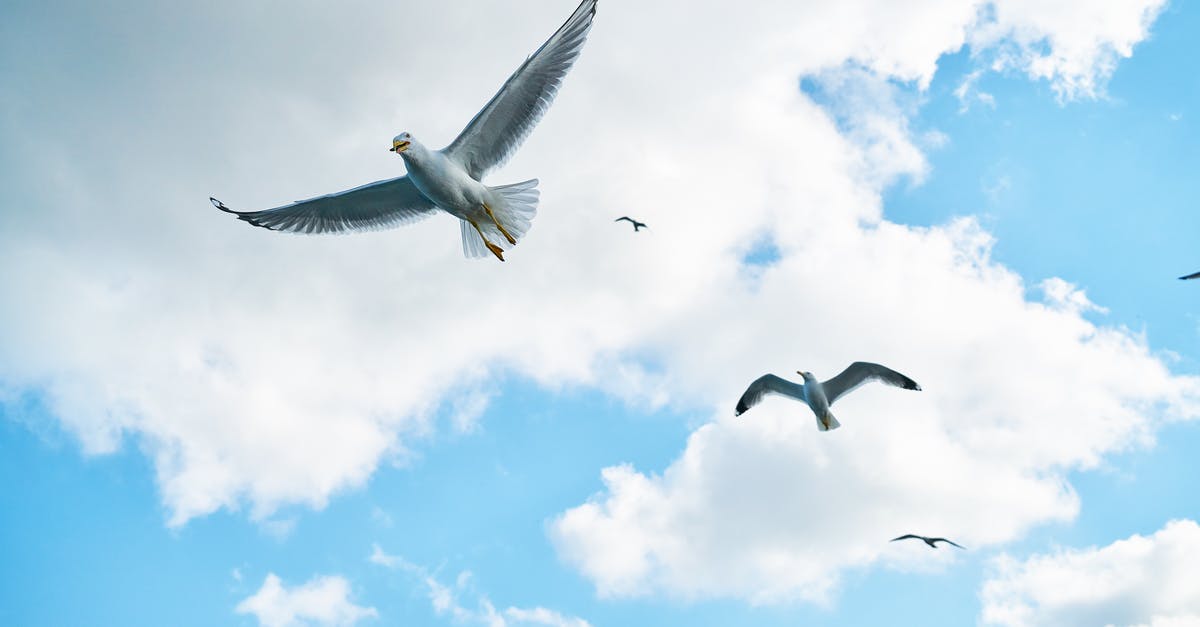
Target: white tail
(830, 420)
(514, 206)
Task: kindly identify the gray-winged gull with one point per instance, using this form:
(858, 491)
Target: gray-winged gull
(818, 395)
(491, 218)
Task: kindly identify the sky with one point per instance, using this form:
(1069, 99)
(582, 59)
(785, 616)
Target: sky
(205, 423)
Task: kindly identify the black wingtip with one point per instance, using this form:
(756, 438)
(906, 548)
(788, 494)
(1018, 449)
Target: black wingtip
(1187, 277)
(220, 205)
(740, 409)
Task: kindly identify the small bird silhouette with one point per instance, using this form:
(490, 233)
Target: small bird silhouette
(1194, 275)
(637, 226)
(930, 541)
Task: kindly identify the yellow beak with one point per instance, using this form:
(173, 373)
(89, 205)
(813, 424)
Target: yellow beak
(399, 146)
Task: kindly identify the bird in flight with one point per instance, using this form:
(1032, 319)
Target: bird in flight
(637, 226)
(930, 541)
(491, 219)
(1194, 275)
(818, 395)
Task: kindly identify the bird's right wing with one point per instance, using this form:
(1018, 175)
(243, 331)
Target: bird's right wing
(907, 536)
(861, 372)
(768, 384)
(1194, 275)
(950, 542)
(378, 205)
(625, 218)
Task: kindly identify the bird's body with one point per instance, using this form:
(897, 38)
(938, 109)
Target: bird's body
(930, 541)
(819, 396)
(492, 219)
(637, 226)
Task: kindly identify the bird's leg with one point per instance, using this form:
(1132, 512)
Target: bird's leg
(496, 250)
(498, 225)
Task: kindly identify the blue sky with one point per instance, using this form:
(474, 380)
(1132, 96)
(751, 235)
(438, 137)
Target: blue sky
(150, 385)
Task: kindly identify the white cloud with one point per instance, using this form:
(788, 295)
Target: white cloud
(446, 600)
(263, 370)
(1074, 45)
(320, 601)
(1140, 581)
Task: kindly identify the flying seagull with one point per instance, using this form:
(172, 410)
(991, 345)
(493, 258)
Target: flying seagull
(491, 219)
(930, 541)
(1194, 275)
(637, 226)
(818, 395)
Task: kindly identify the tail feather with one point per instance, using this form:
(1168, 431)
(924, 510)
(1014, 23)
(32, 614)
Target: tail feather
(514, 206)
(830, 420)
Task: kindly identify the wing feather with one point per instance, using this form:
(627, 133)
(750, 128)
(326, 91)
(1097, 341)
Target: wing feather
(378, 205)
(506, 120)
(861, 372)
(768, 384)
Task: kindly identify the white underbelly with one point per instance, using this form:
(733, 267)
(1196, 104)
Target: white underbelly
(450, 188)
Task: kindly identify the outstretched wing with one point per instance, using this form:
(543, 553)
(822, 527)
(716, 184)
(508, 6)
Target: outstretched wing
(907, 536)
(861, 372)
(1194, 275)
(378, 205)
(951, 542)
(626, 219)
(499, 128)
(768, 384)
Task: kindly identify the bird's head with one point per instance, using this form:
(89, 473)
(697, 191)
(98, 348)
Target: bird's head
(401, 142)
(808, 376)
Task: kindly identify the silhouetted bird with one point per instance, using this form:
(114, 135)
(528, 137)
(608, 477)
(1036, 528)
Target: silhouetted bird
(820, 396)
(930, 541)
(1194, 275)
(637, 226)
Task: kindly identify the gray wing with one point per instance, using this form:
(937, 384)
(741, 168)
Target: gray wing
(499, 128)
(1194, 275)
(768, 384)
(861, 372)
(950, 542)
(378, 205)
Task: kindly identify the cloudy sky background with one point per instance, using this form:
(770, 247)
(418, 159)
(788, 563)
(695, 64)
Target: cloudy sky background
(206, 423)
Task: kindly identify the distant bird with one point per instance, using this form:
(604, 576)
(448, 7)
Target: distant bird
(492, 219)
(637, 226)
(1194, 275)
(930, 541)
(818, 395)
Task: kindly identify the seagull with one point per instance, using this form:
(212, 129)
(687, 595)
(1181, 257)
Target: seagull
(818, 395)
(491, 219)
(930, 541)
(1194, 275)
(637, 226)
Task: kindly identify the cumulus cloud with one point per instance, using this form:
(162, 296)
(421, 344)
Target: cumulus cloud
(1141, 581)
(1017, 393)
(258, 370)
(1074, 45)
(322, 601)
(447, 600)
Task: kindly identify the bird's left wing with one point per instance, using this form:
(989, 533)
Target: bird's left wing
(768, 384)
(950, 542)
(499, 128)
(378, 205)
(1194, 275)
(907, 536)
(861, 372)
